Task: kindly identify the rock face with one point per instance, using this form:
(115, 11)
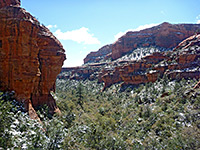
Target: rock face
(135, 72)
(90, 72)
(102, 53)
(30, 56)
(4, 3)
(182, 62)
(164, 35)
(79, 73)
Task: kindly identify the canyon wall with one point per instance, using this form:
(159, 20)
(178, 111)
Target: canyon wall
(165, 35)
(102, 54)
(30, 56)
(182, 62)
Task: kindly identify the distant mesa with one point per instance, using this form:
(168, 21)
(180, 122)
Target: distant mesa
(171, 50)
(165, 35)
(102, 54)
(181, 62)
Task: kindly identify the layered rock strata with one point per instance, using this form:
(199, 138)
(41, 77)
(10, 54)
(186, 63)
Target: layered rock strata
(165, 35)
(182, 62)
(102, 54)
(30, 56)
(90, 72)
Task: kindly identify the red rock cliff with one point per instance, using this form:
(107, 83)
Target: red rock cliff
(164, 35)
(4, 3)
(182, 62)
(101, 54)
(30, 56)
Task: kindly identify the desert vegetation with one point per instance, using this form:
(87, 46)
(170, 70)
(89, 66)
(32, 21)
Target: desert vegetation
(160, 115)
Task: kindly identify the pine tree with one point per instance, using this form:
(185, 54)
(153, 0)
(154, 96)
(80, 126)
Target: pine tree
(79, 94)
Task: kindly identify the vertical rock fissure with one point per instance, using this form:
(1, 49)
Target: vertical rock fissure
(1, 45)
(37, 91)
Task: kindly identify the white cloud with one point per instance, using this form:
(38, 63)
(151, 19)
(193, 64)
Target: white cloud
(80, 35)
(198, 19)
(118, 35)
(51, 26)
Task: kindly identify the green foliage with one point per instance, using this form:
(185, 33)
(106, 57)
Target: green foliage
(151, 116)
(18, 131)
(160, 115)
(79, 94)
(6, 120)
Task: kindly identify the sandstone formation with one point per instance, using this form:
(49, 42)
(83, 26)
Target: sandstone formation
(90, 72)
(136, 72)
(4, 3)
(182, 62)
(102, 53)
(79, 73)
(30, 56)
(164, 35)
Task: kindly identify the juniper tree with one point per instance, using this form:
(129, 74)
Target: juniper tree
(79, 94)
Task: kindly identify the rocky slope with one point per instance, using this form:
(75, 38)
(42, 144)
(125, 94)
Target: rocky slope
(30, 56)
(182, 62)
(164, 37)
(102, 54)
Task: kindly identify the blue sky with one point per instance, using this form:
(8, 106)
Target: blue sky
(83, 26)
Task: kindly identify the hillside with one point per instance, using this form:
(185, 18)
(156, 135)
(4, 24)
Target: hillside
(159, 115)
(159, 53)
(136, 101)
(102, 54)
(141, 92)
(164, 37)
(136, 68)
